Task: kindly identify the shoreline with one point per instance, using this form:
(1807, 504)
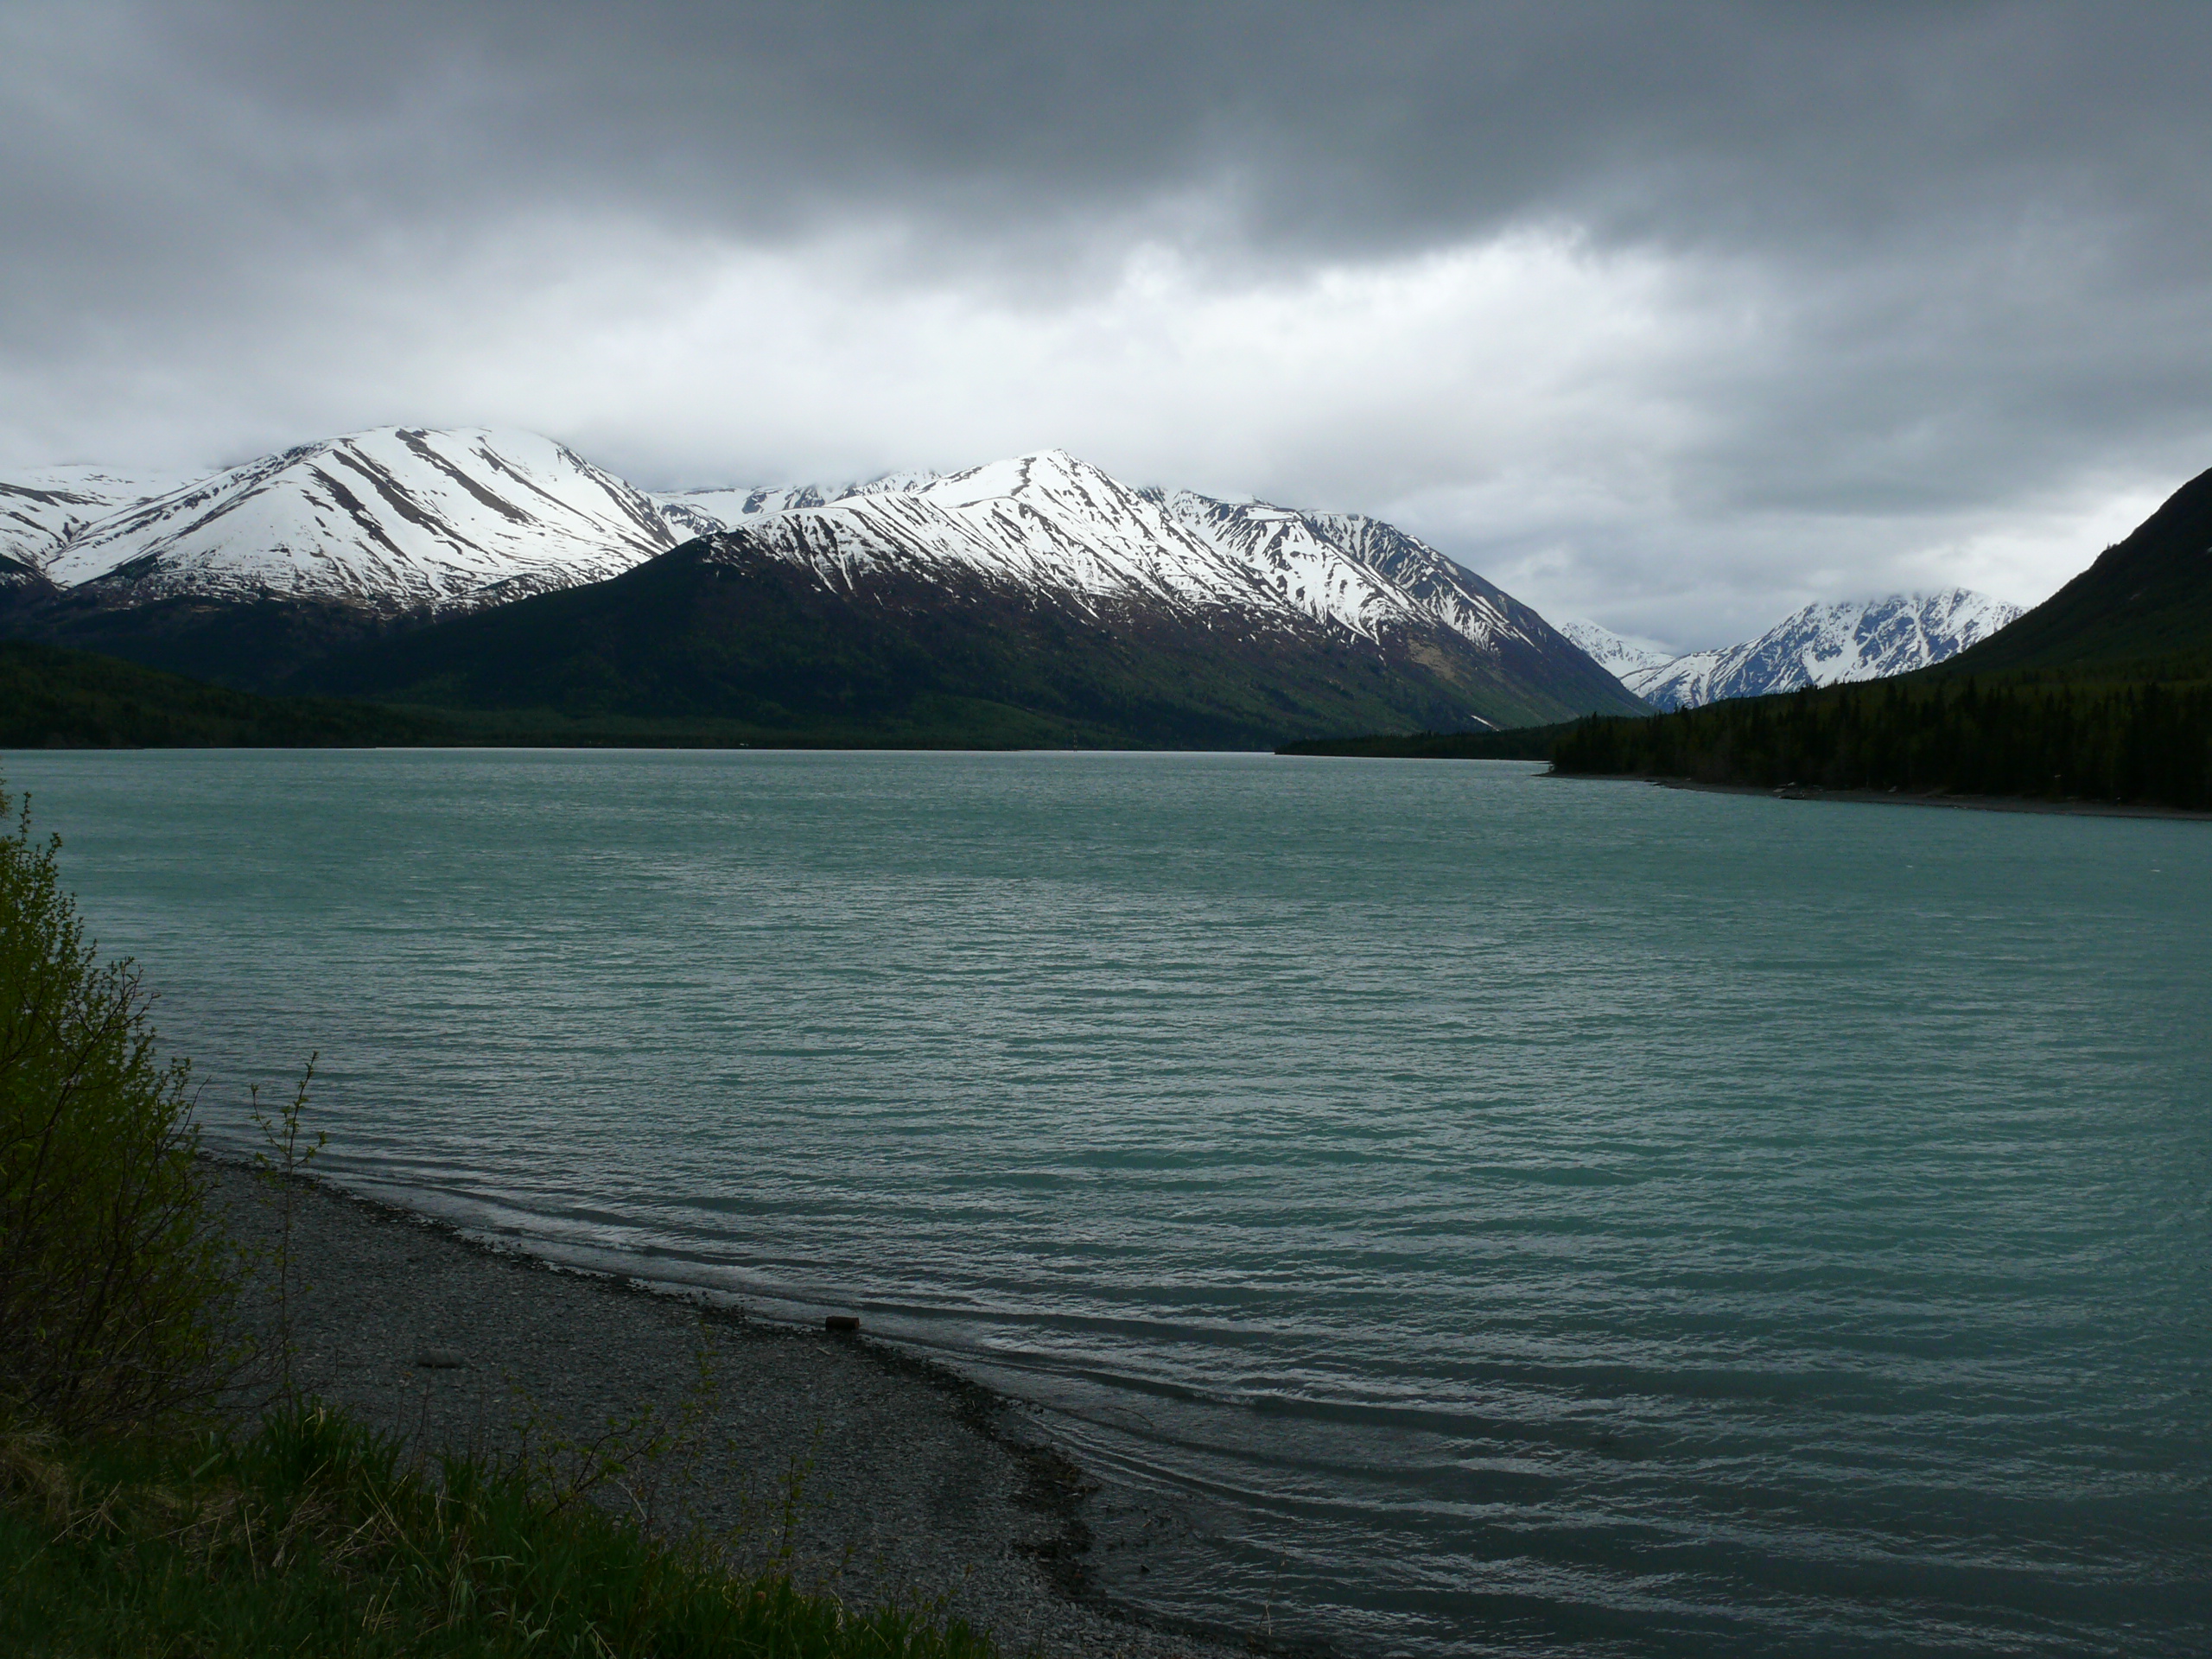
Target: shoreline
(1897, 798)
(870, 1472)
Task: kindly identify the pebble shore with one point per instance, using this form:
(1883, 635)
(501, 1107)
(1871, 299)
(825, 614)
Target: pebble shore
(874, 1476)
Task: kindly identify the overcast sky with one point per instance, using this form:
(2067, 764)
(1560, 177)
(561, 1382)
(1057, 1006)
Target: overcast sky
(1676, 316)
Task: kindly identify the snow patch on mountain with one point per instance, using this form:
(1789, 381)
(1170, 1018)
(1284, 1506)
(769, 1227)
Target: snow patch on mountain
(1052, 522)
(395, 517)
(704, 512)
(1828, 644)
(406, 518)
(1619, 654)
(44, 511)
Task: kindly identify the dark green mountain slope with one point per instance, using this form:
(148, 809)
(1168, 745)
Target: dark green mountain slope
(2142, 612)
(250, 646)
(722, 631)
(52, 698)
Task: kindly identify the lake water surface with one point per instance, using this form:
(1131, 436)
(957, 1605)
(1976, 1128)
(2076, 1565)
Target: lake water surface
(1454, 1210)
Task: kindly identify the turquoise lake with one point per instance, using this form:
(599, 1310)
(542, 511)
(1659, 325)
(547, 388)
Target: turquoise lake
(1452, 1210)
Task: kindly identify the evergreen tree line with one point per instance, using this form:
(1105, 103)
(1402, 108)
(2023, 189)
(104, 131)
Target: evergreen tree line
(2147, 743)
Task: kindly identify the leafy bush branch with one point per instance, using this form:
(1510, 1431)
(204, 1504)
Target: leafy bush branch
(114, 1285)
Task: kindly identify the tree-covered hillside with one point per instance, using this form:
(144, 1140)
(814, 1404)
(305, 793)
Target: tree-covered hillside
(52, 698)
(2143, 612)
(2103, 692)
(2148, 742)
(720, 633)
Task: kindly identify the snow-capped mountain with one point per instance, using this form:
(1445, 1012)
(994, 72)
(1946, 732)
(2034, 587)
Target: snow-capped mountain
(1049, 530)
(43, 513)
(1617, 654)
(702, 512)
(1032, 598)
(404, 518)
(1054, 525)
(398, 518)
(1828, 644)
(354, 537)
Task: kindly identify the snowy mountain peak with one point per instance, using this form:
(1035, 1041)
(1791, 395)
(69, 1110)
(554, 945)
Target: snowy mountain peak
(410, 520)
(1619, 654)
(1053, 521)
(42, 513)
(395, 517)
(1828, 644)
(1048, 475)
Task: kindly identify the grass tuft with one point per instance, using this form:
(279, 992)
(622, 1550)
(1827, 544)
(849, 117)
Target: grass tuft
(316, 1535)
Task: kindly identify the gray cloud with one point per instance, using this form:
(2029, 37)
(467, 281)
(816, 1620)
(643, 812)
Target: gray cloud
(1677, 314)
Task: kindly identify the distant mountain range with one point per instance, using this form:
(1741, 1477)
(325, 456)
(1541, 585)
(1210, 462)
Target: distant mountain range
(1617, 654)
(1030, 597)
(1821, 645)
(2102, 693)
(1034, 599)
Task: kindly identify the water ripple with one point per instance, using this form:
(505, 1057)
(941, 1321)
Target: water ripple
(1455, 1211)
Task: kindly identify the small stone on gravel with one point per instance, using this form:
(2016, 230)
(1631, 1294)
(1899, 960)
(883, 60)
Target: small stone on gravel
(860, 1471)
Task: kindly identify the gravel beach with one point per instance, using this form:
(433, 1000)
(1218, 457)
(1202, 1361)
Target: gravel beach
(876, 1475)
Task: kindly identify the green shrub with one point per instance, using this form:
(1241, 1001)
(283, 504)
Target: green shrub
(113, 1282)
(318, 1537)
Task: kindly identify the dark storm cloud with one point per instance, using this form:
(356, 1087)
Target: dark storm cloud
(1345, 129)
(1896, 272)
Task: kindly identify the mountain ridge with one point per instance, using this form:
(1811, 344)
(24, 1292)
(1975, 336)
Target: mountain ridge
(258, 574)
(2141, 611)
(1839, 643)
(390, 519)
